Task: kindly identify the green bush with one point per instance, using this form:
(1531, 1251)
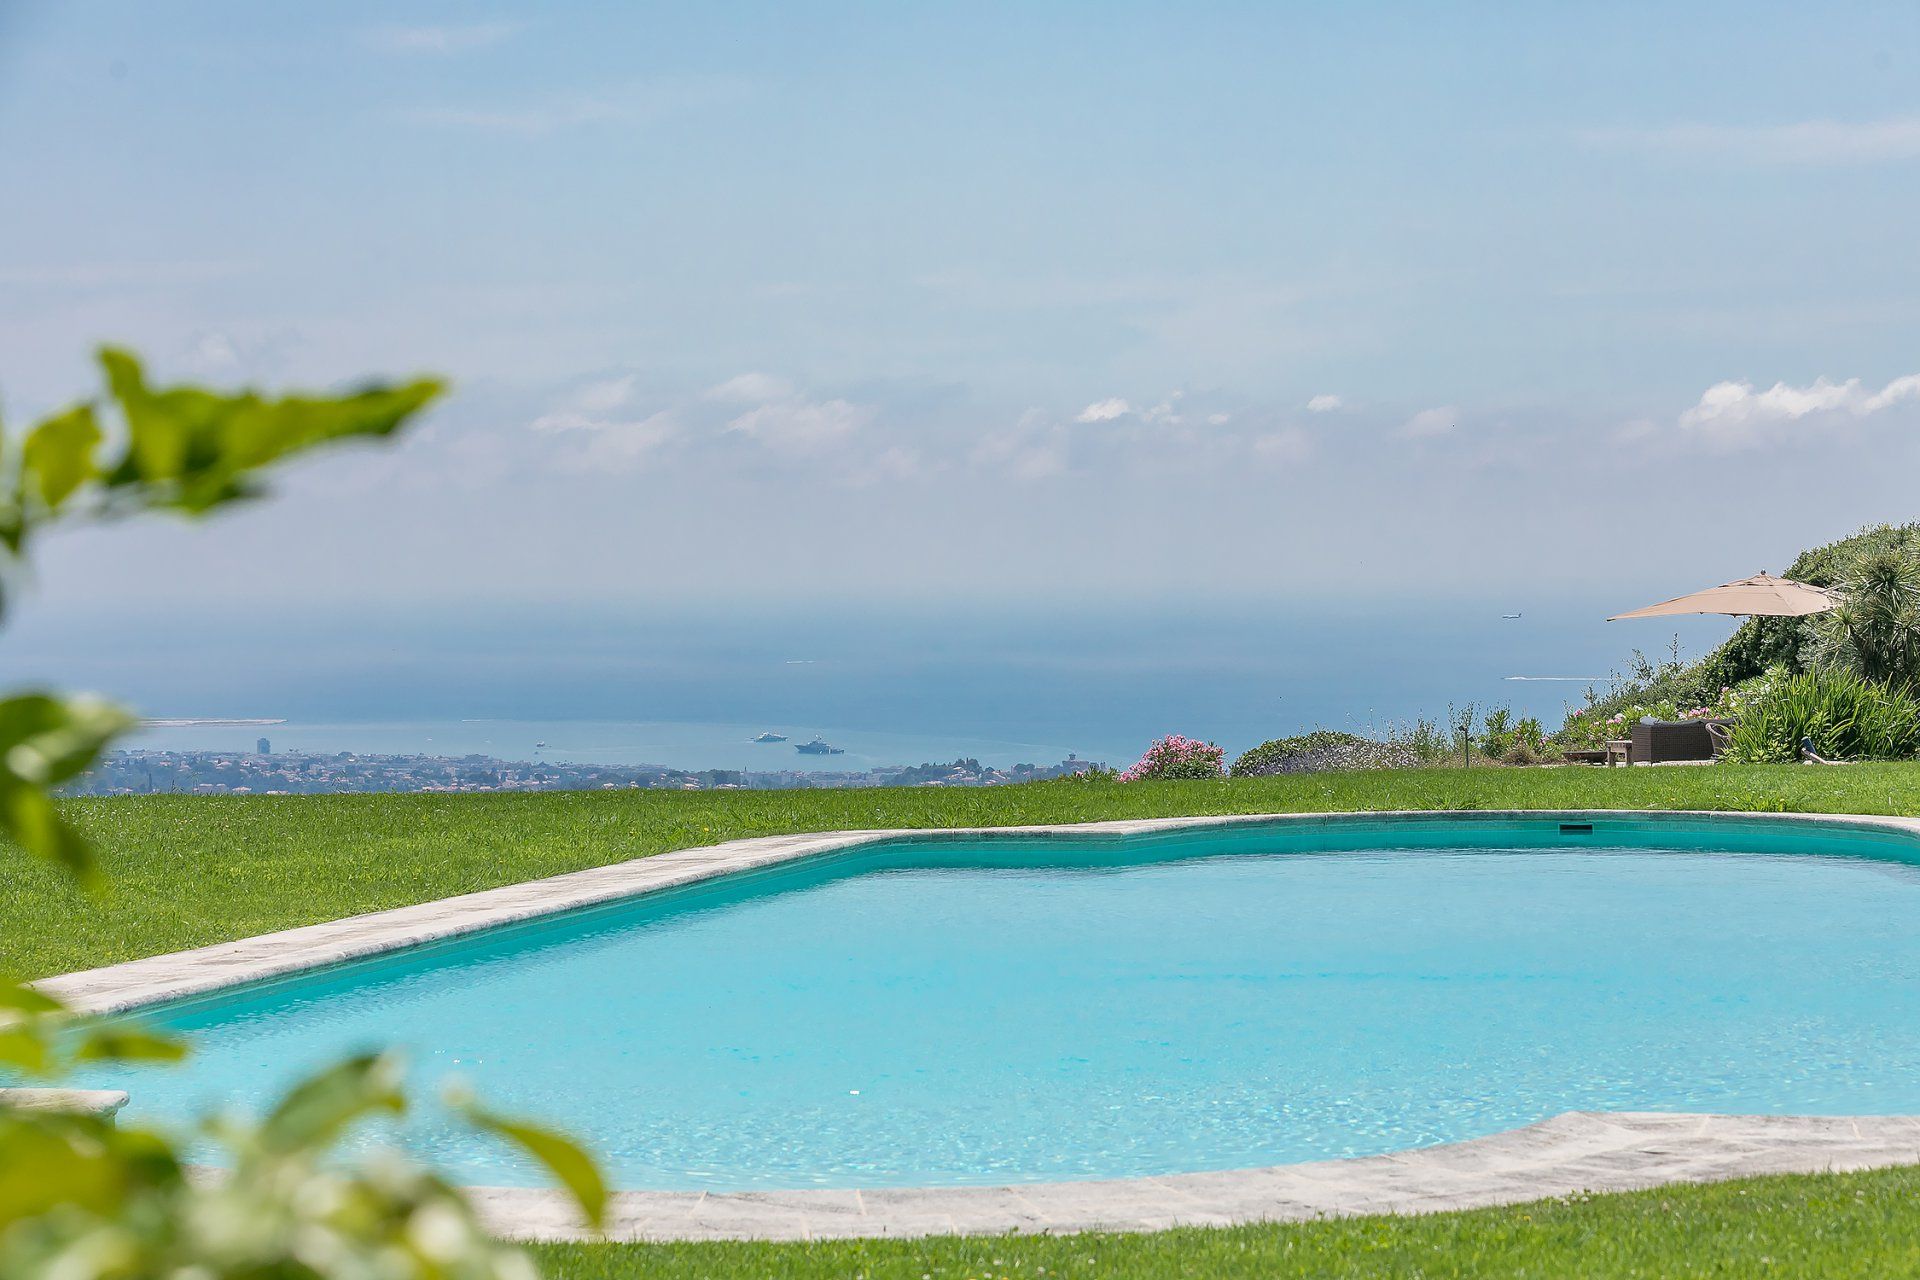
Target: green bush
(1846, 716)
(1327, 749)
(1875, 629)
(1272, 755)
(1512, 741)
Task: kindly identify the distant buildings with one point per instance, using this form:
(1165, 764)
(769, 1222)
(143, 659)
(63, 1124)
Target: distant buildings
(142, 772)
(263, 747)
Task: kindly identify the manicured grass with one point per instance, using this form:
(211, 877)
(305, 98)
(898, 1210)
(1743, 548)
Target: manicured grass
(187, 871)
(1834, 1225)
(191, 870)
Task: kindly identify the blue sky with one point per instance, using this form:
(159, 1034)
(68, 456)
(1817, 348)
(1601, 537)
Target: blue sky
(1040, 302)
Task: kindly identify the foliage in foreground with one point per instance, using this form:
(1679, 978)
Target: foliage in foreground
(82, 1198)
(1819, 1227)
(181, 449)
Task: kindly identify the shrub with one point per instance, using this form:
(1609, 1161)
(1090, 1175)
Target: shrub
(1177, 757)
(1846, 716)
(1424, 740)
(1321, 750)
(1514, 742)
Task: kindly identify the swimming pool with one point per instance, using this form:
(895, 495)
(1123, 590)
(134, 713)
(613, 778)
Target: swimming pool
(997, 1009)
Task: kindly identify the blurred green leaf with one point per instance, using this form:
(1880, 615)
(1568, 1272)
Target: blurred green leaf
(322, 1107)
(192, 449)
(28, 1021)
(18, 998)
(29, 818)
(565, 1159)
(44, 741)
(82, 1198)
(57, 457)
(127, 1044)
(25, 1048)
(55, 1160)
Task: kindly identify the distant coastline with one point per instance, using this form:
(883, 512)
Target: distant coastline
(196, 722)
(145, 771)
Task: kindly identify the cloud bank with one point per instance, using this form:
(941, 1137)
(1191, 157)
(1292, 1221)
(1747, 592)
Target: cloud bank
(1736, 414)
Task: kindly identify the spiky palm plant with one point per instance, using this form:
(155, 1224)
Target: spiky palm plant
(1875, 629)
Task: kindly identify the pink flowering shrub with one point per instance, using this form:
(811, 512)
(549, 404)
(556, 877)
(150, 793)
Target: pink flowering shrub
(1177, 757)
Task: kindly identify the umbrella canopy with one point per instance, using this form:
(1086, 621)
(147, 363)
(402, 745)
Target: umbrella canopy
(1760, 595)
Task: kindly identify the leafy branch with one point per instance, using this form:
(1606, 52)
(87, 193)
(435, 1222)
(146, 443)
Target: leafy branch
(82, 1198)
(136, 448)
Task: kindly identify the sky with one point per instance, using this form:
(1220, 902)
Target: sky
(1054, 306)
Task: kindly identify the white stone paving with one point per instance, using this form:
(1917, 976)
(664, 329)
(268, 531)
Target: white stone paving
(1578, 1151)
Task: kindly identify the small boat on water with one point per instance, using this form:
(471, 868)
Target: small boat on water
(768, 736)
(818, 747)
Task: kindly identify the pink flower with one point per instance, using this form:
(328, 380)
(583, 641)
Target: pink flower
(1177, 756)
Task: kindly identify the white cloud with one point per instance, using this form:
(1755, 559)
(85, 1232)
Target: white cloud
(1103, 410)
(749, 388)
(1431, 422)
(628, 441)
(1167, 412)
(796, 425)
(601, 397)
(1734, 413)
(1805, 142)
(606, 437)
(1324, 404)
(446, 39)
(1033, 450)
(1289, 444)
(760, 407)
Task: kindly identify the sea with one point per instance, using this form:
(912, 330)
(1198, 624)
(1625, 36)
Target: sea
(689, 688)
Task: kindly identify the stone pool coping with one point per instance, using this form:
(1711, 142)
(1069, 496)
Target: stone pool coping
(1574, 1152)
(1579, 1151)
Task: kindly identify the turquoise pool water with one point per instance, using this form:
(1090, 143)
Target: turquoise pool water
(989, 1011)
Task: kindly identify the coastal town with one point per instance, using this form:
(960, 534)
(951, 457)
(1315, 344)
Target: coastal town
(267, 772)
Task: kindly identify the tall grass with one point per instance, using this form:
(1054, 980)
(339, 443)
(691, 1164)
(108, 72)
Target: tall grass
(1845, 716)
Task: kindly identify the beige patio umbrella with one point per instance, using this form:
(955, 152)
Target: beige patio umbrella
(1760, 595)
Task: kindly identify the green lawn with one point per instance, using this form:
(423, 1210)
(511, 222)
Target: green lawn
(187, 871)
(1836, 1225)
(190, 870)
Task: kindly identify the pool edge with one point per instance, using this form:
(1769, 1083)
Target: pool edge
(1569, 1154)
